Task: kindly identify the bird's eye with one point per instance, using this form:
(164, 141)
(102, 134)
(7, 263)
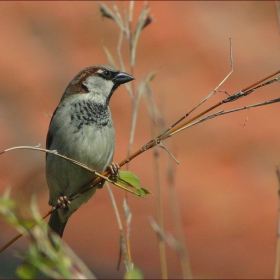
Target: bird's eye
(106, 73)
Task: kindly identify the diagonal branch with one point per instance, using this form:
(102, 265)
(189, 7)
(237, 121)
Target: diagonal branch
(157, 140)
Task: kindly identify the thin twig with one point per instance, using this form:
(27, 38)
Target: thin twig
(231, 98)
(129, 23)
(125, 20)
(128, 217)
(158, 186)
(156, 140)
(181, 248)
(110, 14)
(162, 254)
(222, 112)
(117, 13)
(277, 257)
(55, 153)
(119, 52)
(167, 131)
(159, 138)
(170, 240)
(123, 247)
(277, 8)
(140, 24)
(164, 148)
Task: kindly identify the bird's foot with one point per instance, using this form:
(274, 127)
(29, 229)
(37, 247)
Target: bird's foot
(114, 170)
(62, 202)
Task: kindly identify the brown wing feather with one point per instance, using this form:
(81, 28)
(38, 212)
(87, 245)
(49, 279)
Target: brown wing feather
(49, 135)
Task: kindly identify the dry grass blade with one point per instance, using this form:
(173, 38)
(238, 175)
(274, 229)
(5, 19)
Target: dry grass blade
(277, 7)
(109, 56)
(160, 234)
(141, 22)
(117, 13)
(107, 12)
(123, 247)
(146, 81)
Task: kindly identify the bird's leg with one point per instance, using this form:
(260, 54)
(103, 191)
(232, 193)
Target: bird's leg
(114, 170)
(63, 202)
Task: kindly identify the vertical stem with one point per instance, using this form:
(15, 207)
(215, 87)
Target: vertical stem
(277, 257)
(134, 112)
(182, 250)
(159, 212)
(130, 18)
(133, 126)
(123, 242)
(161, 242)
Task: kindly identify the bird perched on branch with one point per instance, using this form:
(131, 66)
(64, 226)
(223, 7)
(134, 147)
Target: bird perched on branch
(81, 128)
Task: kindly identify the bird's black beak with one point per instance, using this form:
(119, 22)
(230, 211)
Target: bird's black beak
(122, 78)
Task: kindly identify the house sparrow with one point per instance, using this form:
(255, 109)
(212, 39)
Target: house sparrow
(81, 128)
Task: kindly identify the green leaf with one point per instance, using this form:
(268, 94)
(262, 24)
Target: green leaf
(146, 191)
(129, 179)
(136, 273)
(124, 188)
(27, 223)
(27, 271)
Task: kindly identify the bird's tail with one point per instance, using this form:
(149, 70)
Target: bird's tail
(55, 223)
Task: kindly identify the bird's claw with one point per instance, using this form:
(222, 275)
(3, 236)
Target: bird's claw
(114, 170)
(63, 202)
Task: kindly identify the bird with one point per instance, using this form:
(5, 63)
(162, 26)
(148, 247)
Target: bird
(82, 129)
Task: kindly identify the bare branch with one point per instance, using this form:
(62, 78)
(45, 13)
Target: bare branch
(163, 147)
(206, 98)
(231, 98)
(81, 190)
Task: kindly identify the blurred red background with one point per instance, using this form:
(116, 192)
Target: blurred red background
(225, 182)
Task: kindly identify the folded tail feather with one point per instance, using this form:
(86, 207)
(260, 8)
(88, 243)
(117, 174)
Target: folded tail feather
(55, 223)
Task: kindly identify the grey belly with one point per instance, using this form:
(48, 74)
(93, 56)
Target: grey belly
(96, 150)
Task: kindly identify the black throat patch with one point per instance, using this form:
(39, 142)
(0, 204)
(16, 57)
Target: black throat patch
(89, 113)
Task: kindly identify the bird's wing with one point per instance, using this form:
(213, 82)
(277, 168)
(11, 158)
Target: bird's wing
(50, 134)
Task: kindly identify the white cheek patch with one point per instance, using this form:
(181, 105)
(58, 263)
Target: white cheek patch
(99, 71)
(98, 87)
